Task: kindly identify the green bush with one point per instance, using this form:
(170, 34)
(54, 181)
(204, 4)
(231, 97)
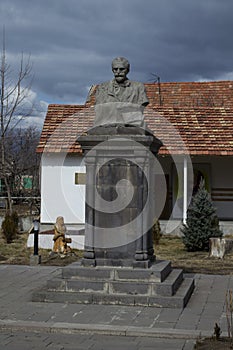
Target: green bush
(202, 222)
(10, 226)
(156, 232)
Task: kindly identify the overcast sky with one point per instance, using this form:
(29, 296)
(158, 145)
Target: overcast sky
(72, 42)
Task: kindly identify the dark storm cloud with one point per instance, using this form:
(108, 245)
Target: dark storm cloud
(73, 42)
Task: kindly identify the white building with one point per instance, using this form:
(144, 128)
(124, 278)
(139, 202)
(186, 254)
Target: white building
(195, 123)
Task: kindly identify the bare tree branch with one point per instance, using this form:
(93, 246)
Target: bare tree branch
(14, 91)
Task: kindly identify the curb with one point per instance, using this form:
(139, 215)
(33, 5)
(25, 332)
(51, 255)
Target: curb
(128, 331)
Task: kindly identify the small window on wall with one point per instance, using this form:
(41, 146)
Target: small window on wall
(80, 179)
(26, 182)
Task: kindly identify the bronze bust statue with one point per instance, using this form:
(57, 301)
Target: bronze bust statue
(120, 101)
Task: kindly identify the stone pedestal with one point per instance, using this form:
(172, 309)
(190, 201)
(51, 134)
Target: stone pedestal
(157, 286)
(119, 205)
(119, 265)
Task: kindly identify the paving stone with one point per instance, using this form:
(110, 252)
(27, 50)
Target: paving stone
(204, 308)
(188, 321)
(158, 344)
(207, 323)
(230, 284)
(189, 345)
(65, 313)
(146, 317)
(167, 316)
(78, 341)
(213, 308)
(223, 323)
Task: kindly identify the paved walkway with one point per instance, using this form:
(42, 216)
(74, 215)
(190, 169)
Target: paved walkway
(31, 325)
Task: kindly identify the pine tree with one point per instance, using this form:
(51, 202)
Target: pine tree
(202, 221)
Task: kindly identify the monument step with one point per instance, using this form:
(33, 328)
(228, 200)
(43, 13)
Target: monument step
(158, 272)
(110, 286)
(179, 300)
(71, 285)
(186, 289)
(171, 284)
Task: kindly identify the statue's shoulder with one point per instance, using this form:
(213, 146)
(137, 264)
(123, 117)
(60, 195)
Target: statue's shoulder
(102, 92)
(105, 85)
(137, 84)
(140, 91)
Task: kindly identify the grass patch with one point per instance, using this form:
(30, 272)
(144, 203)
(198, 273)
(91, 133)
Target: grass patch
(17, 253)
(169, 248)
(213, 344)
(172, 248)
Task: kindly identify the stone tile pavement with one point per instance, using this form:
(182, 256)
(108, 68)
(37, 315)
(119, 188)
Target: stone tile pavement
(31, 325)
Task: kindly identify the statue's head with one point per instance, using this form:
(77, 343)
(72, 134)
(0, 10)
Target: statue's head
(60, 220)
(120, 68)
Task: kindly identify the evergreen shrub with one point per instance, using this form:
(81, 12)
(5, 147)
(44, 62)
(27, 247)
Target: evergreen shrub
(202, 222)
(10, 226)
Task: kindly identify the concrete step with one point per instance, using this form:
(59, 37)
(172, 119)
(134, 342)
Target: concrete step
(132, 287)
(157, 273)
(71, 285)
(179, 300)
(76, 271)
(169, 286)
(185, 290)
(159, 285)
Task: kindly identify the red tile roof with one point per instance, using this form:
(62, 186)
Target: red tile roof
(192, 117)
(191, 94)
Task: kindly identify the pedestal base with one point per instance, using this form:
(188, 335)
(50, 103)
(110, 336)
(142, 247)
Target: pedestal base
(159, 285)
(143, 264)
(35, 260)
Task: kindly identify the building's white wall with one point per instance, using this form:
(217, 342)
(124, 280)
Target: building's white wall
(59, 194)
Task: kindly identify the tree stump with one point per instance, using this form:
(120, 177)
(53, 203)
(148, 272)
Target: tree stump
(220, 246)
